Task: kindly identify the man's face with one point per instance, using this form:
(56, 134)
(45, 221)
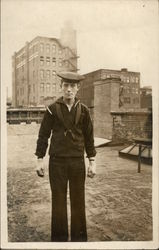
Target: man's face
(69, 89)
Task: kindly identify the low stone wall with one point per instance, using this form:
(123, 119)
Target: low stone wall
(128, 125)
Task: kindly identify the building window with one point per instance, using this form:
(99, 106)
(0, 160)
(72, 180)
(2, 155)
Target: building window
(41, 60)
(54, 74)
(127, 79)
(41, 99)
(66, 63)
(41, 87)
(33, 61)
(124, 79)
(22, 57)
(54, 61)
(33, 99)
(137, 79)
(41, 73)
(133, 90)
(34, 88)
(60, 62)
(47, 61)
(41, 47)
(33, 73)
(48, 87)
(47, 48)
(36, 47)
(132, 79)
(103, 76)
(53, 48)
(53, 87)
(60, 52)
(126, 89)
(48, 73)
(136, 100)
(127, 100)
(54, 78)
(29, 89)
(137, 91)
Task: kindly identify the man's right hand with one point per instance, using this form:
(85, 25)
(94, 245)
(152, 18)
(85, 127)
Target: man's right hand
(40, 167)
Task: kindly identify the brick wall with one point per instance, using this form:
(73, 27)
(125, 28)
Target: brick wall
(106, 98)
(146, 101)
(132, 124)
(102, 116)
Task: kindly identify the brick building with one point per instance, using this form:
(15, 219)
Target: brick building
(115, 122)
(105, 91)
(129, 88)
(34, 79)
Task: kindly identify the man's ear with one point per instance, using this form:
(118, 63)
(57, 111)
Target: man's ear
(78, 86)
(61, 83)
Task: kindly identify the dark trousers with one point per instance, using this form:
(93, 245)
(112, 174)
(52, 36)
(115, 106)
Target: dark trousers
(61, 171)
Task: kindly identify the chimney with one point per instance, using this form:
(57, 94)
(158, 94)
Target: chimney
(68, 36)
(124, 69)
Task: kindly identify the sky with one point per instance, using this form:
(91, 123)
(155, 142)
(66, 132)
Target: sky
(111, 34)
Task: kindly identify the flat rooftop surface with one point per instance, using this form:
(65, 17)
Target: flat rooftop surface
(118, 199)
(100, 141)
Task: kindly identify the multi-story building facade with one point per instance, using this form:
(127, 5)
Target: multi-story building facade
(105, 91)
(129, 88)
(35, 68)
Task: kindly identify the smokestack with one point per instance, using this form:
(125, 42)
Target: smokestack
(68, 36)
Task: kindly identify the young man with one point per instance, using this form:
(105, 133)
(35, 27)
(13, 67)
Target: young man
(69, 124)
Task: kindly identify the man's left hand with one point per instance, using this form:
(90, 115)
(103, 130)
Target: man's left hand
(91, 172)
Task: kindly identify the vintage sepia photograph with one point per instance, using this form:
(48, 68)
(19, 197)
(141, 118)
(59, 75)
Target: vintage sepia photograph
(79, 124)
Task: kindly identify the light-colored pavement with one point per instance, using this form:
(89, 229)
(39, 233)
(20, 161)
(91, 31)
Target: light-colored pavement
(118, 199)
